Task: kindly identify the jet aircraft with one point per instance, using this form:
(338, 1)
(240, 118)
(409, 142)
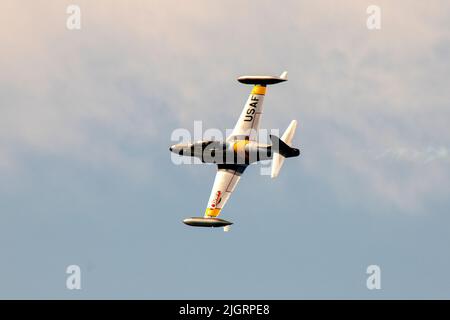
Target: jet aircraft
(239, 150)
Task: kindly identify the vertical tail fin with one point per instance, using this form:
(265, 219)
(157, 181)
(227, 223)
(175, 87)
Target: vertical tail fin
(284, 148)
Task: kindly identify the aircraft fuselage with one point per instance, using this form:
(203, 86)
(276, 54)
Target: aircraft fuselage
(232, 152)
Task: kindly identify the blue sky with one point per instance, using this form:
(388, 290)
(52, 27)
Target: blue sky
(86, 177)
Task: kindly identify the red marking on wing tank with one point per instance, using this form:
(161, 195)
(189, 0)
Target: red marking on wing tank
(217, 200)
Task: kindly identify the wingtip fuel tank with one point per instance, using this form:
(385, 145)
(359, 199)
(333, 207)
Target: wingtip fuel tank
(206, 222)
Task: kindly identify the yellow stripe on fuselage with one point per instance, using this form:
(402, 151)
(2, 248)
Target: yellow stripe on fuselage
(212, 212)
(259, 90)
(239, 145)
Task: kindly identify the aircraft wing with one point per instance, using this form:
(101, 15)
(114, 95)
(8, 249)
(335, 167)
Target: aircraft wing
(247, 126)
(227, 177)
(248, 123)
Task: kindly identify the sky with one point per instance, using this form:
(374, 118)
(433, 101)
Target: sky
(86, 177)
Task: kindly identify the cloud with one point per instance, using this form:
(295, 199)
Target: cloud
(138, 68)
(424, 156)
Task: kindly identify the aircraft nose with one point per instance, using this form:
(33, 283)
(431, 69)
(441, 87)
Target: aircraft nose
(178, 149)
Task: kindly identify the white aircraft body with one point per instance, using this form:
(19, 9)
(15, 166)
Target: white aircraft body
(238, 151)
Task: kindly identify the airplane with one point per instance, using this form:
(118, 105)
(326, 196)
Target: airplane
(239, 151)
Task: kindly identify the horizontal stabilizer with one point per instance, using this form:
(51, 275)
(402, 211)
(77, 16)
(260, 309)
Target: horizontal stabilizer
(263, 80)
